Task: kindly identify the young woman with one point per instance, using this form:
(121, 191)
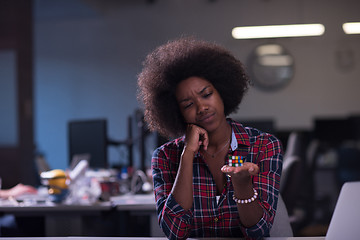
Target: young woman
(188, 88)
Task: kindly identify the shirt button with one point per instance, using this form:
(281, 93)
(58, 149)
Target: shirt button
(216, 219)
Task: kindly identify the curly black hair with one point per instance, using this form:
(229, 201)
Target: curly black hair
(178, 60)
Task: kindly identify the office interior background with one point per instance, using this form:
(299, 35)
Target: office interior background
(86, 55)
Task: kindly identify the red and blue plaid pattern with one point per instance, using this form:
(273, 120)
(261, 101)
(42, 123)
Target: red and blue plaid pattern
(209, 217)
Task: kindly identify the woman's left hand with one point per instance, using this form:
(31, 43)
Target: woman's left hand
(241, 173)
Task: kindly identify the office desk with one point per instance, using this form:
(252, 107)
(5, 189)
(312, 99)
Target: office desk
(69, 220)
(140, 204)
(66, 220)
(60, 220)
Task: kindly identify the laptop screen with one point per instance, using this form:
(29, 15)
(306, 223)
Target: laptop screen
(345, 222)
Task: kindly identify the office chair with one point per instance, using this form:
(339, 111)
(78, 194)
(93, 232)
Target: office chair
(291, 159)
(292, 172)
(281, 226)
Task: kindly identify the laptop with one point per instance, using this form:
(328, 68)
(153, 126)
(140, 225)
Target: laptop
(345, 223)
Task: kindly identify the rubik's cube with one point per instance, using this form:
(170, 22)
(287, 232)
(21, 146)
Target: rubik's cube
(236, 161)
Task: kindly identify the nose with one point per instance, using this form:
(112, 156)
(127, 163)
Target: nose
(201, 106)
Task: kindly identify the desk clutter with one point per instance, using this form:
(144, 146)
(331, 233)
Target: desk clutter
(84, 186)
(85, 202)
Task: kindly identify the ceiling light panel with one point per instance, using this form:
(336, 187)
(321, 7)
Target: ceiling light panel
(278, 31)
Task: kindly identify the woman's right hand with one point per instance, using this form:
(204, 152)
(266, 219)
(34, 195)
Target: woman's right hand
(195, 138)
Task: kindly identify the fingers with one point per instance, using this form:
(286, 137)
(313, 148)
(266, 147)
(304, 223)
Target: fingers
(251, 168)
(196, 137)
(205, 140)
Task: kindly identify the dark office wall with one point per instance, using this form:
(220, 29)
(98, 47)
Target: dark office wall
(87, 55)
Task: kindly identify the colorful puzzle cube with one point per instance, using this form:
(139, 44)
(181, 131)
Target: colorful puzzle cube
(236, 161)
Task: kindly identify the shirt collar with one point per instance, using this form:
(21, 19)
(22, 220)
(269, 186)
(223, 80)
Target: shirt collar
(234, 143)
(239, 135)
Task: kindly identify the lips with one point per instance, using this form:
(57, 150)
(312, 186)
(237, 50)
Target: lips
(206, 118)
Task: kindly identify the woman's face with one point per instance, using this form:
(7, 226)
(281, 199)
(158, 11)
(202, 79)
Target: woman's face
(200, 103)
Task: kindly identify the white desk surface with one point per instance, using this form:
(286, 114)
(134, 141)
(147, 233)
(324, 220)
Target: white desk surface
(53, 207)
(134, 202)
(124, 202)
(151, 238)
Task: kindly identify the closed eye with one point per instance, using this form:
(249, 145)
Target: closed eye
(188, 105)
(207, 95)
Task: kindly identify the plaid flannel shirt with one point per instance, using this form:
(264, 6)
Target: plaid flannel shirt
(209, 216)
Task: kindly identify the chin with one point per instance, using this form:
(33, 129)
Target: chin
(209, 127)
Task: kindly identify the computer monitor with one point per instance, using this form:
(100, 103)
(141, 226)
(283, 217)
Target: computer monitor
(89, 137)
(333, 130)
(355, 126)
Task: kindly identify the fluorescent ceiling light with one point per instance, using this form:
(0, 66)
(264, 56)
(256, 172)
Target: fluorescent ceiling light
(351, 27)
(278, 31)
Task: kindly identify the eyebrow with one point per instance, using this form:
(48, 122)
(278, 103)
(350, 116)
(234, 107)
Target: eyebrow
(203, 90)
(200, 92)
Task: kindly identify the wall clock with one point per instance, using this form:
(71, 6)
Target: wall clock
(270, 67)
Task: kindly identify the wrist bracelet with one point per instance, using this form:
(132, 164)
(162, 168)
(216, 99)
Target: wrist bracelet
(244, 201)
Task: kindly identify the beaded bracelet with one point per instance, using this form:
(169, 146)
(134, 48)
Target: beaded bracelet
(244, 201)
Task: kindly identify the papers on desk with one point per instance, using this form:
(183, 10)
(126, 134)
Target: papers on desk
(26, 200)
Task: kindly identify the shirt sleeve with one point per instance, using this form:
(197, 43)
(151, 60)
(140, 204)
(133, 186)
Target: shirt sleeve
(173, 219)
(267, 184)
